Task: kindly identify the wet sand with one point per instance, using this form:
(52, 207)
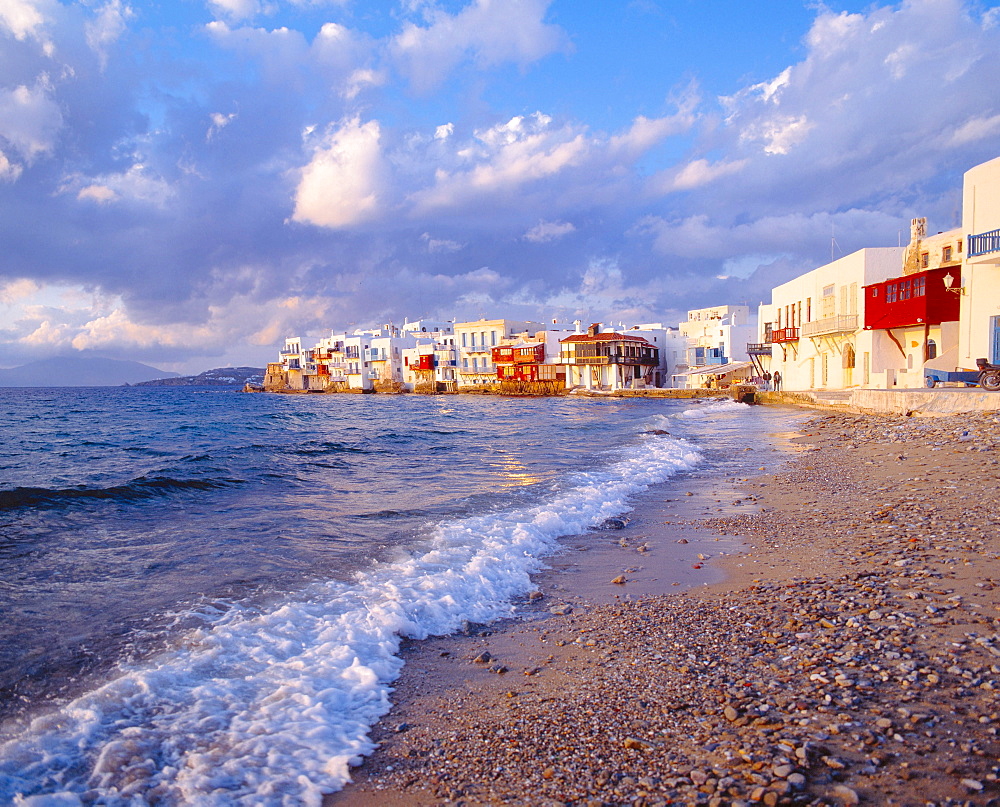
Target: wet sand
(844, 651)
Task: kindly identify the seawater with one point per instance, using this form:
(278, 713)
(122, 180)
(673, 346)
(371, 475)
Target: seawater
(203, 593)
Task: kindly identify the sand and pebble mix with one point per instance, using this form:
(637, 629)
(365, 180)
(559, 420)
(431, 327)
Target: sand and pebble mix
(852, 656)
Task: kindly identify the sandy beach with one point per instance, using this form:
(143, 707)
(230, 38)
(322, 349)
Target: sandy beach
(845, 650)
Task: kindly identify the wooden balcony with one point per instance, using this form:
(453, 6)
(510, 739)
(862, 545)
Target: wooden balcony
(758, 349)
(780, 335)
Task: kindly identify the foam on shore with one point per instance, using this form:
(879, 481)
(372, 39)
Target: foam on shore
(274, 706)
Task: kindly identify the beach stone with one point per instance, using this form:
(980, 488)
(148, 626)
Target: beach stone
(973, 785)
(561, 609)
(845, 795)
(620, 580)
(637, 744)
(483, 658)
(730, 713)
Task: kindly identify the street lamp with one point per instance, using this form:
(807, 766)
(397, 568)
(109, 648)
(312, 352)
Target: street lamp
(948, 281)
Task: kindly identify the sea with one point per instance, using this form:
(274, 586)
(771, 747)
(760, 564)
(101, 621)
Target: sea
(203, 592)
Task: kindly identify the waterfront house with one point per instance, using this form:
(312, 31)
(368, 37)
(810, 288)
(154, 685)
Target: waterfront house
(598, 360)
(430, 365)
(913, 317)
(292, 362)
(813, 326)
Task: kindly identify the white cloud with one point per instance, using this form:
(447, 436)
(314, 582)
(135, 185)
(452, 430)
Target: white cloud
(440, 245)
(24, 18)
(503, 158)
(546, 231)
(136, 185)
(107, 27)
(341, 185)
(30, 119)
(487, 32)
(236, 10)
(974, 129)
(696, 174)
(97, 193)
(17, 290)
(219, 122)
(645, 133)
(9, 171)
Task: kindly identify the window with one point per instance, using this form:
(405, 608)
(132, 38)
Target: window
(890, 293)
(931, 349)
(959, 246)
(463, 339)
(925, 260)
(904, 290)
(946, 254)
(919, 286)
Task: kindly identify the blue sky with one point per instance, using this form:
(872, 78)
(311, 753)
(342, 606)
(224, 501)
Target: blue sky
(185, 183)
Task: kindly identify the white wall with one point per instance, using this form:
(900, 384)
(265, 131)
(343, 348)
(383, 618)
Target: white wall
(980, 275)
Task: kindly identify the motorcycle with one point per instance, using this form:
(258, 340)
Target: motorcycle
(989, 374)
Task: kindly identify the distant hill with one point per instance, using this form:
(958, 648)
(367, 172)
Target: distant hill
(75, 371)
(219, 377)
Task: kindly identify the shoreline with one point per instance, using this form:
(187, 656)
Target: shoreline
(847, 654)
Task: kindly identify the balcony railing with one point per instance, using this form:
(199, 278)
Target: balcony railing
(780, 335)
(613, 358)
(843, 323)
(984, 243)
(758, 349)
(286, 351)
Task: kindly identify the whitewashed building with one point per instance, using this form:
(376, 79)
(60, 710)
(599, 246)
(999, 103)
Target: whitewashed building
(979, 286)
(813, 325)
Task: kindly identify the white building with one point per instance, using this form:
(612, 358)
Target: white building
(815, 328)
(717, 335)
(979, 286)
(430, 365)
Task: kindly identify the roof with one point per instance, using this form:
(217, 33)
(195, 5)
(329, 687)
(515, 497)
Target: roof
(606, 337)
(718, 369)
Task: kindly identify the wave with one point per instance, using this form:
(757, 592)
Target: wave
(273, 707)
(143, 487)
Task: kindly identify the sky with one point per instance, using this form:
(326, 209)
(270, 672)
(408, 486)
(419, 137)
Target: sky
(186, 182)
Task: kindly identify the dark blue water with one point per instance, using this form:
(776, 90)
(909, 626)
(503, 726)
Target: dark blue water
(172, 558)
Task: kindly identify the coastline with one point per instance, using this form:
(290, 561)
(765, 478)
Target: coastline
(848, 653)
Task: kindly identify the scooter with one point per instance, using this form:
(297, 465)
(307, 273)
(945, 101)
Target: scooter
(989, 374)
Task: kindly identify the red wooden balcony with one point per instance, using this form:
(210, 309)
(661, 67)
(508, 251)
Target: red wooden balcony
(785, 335)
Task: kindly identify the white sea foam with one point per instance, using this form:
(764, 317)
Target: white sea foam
(273, 708)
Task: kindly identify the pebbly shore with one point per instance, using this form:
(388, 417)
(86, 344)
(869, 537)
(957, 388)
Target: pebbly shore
(852, 655)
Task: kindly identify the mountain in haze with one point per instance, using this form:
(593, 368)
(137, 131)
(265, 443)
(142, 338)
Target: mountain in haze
(219, 377)
(73, 371)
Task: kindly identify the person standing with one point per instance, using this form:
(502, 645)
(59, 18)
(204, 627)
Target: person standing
(777, 381)
(767, 379)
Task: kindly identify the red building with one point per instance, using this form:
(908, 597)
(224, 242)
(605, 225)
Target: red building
(922, 298)
(522, 362)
